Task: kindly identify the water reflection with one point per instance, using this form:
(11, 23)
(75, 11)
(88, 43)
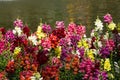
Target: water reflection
(79, 11)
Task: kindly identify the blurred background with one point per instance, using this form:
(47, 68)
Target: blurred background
(80, 11)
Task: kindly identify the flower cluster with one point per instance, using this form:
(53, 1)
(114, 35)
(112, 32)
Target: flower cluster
(90, 69)
(64, 53)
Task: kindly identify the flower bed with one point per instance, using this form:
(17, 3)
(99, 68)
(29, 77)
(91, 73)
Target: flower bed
(64, 53)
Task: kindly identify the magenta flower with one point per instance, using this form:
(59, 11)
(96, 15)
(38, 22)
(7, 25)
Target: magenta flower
(46, 44)
(60, 24)
(46, 28)
(110, 44)
(80, 30)
(64, 42)
(107, 18)
(105, 51)
(18, 23)
(90, 69)
(74, 40)
(71, 28)
(9, 36)
(104, 75)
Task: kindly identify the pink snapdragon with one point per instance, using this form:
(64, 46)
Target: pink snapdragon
(46, 28)
(80, 29)
(46, 44)
(18, 23)
(60, 24)
(110, 44)
(107, 18)
(72, 28)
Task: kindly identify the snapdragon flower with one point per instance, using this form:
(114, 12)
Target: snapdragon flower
(33, 38)
(18, 23)
(83, 43)
(18, 31)
(108, 18)
(46, 28)
(104, 51)
(107, 65)
(112, 26)
(58, 51)
(46, 44)
(17, 50)
(40, 34)
(90, 54)
(9, 36)
(60, 24)
(98, 24)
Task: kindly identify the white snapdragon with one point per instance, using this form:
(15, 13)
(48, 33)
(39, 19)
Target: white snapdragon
(98, 24)
(33, 38)
(18, 31)
(99, 44)
(14, 31)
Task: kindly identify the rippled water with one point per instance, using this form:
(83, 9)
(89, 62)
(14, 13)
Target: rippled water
(80, 11)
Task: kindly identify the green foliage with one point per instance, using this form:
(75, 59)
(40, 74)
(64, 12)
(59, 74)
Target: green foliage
(68, 75)
(4, 58)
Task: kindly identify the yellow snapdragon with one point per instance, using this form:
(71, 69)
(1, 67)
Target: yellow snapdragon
(83, 43)
(90, 54)
(107, 65)
(17, 50)
(40, 34)
(111, 26)
(58, 51)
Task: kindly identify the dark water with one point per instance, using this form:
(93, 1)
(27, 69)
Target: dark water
(79, 11)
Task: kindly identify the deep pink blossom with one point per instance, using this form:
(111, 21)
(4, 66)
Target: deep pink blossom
(107, 18)
(18, 23)
(110, 44)
(80, 29)
(46, 28)
(72, 28)
(9, 36)
(46, 44)
(105, 52)
(90, 69)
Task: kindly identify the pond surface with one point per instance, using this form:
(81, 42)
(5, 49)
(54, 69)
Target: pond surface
(80, 11)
